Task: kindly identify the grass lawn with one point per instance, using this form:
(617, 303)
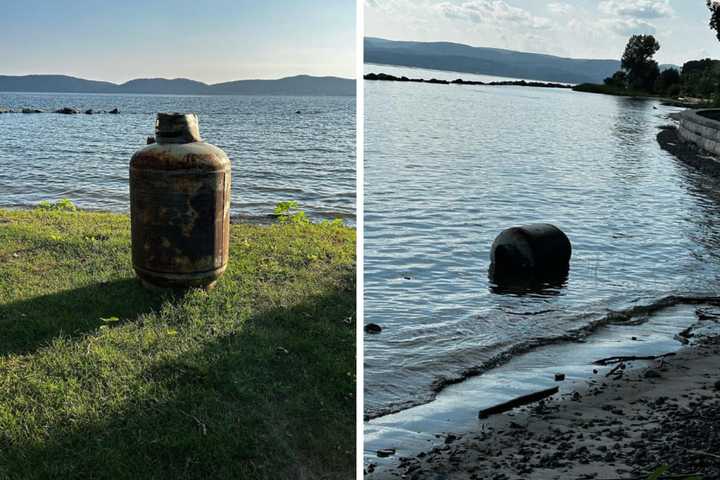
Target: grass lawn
(102, 379)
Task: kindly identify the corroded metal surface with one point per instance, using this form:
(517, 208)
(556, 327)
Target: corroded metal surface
(180, 208)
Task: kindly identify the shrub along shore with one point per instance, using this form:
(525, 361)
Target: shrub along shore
(100, 378)
(684, 102)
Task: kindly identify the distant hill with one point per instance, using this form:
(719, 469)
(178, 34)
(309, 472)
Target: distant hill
(298, 85)
(487, 61)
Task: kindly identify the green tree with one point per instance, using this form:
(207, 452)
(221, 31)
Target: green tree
(668, 81)
(700, 78)
(618, 80)
(714, 7)
(637, 61)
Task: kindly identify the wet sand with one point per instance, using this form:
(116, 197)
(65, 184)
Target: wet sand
(621, 426)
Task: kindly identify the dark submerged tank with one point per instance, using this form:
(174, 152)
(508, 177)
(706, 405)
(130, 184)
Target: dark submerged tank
(530, 256)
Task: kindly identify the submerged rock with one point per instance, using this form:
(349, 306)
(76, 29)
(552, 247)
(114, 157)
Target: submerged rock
(89, 111)
(386, 452)
(67, 111)
(373, 328)
(114, 111)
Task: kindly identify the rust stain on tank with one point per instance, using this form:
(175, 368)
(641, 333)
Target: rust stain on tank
(180, 206)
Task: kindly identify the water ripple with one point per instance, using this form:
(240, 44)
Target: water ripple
(448, 168)
(277, 155)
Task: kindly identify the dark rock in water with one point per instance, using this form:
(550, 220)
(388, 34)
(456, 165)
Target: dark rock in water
(373, 328)
(559, 377)
(536, 253)
(114, 111)
(298, 112)
(31, 110)
(67, 111)
(89, 111)
(386, 452)
(150, 140)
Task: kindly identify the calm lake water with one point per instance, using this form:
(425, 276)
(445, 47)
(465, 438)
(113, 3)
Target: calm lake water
(449, 167)
(276, 153)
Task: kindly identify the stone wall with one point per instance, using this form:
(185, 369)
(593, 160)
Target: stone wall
(700, 130)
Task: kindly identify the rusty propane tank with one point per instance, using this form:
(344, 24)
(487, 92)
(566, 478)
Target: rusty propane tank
(179, 206)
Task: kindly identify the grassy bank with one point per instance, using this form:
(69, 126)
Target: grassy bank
(625, 92)
(100, 378)
(610, 90)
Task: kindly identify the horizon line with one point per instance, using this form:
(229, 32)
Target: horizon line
(178, 78)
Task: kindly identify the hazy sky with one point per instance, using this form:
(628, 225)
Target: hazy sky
(207, 40)
(573, 28)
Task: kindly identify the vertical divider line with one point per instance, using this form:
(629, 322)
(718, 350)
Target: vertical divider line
(360, 223)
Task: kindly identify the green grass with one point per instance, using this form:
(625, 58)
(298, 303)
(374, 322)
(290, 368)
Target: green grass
(610, 90)
(102, 379)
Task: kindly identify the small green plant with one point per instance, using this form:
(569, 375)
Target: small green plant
(663, 470)
(337, 222)
(63, 205)
(659, 472)
(289, 212)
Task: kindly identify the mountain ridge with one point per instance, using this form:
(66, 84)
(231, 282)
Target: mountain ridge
(458, 57)
(293, 85)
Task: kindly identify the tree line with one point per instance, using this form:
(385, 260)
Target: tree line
(640, 74)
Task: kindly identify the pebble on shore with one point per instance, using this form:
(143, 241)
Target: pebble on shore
(624, 427)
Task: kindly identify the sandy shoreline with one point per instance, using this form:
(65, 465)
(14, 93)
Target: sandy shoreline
(618, 427)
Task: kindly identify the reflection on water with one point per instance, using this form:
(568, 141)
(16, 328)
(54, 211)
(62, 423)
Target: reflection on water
(447, 168)
(277, 154)
(528, 286)
(706, 193)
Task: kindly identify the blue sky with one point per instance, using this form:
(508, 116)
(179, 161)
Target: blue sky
(573, 28)
(207, 40)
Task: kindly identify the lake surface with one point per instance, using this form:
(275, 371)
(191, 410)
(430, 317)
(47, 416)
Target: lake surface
(447, 168)
(276, 153)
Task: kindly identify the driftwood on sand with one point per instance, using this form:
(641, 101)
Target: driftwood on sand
(622, 359)
(517, 402)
